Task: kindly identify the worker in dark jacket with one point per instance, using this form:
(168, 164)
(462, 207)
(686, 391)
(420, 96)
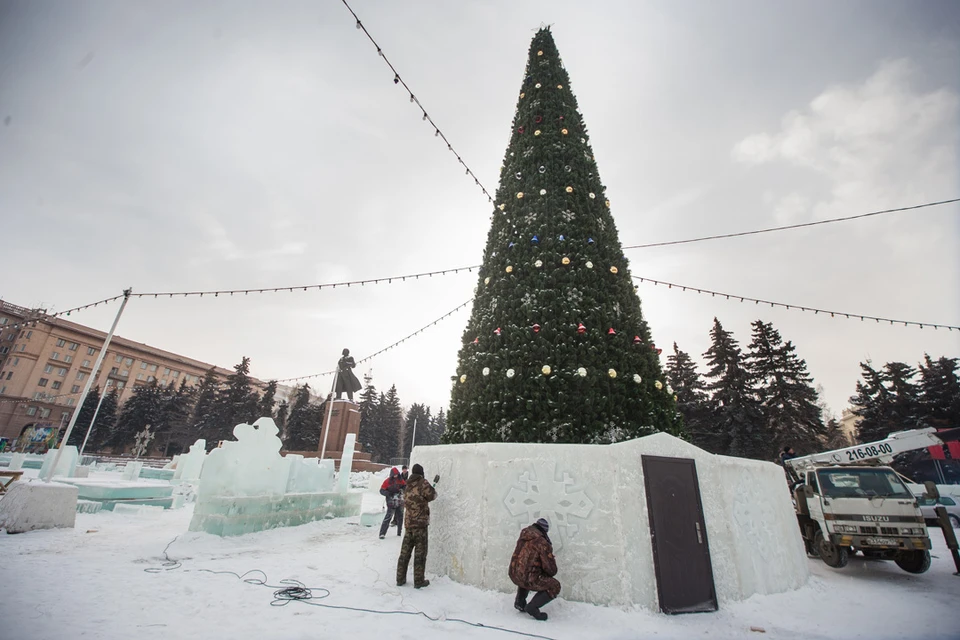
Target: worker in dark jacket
(533, 567)
(392, 489)
(417, 494)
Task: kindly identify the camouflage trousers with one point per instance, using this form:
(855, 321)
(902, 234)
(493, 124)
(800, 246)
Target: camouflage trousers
(414, 542)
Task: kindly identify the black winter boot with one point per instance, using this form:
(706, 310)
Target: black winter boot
(538, 601)
(520, 603)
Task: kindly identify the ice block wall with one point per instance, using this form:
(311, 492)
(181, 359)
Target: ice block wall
(595, 499)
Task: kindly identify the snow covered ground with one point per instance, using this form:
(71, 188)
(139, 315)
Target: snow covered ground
(106, 579)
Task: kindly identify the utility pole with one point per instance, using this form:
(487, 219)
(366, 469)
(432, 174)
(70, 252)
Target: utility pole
(86, 389)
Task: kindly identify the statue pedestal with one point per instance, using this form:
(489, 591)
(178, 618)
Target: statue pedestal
(342, 419)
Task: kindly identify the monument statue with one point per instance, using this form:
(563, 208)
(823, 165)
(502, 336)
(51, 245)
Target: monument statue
(346, 380)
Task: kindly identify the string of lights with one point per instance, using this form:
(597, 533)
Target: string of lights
(833, 314)
(387, 348)
(318, 287)
(790, 226)
(43, 315)
(398, 80)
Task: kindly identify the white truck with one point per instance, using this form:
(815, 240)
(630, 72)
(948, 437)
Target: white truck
(848, 500)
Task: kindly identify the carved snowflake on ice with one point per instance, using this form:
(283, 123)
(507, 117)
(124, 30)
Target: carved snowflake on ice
(142, 442)
(542, 495)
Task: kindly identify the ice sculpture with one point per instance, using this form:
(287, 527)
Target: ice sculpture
(132, 471)
(68, 462)
(190, 465)
(246, 486)
(595, 499)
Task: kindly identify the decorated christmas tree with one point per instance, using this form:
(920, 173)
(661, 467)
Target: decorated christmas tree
(556, 349)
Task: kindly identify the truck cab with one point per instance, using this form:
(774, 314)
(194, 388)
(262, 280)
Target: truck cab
(845, 509)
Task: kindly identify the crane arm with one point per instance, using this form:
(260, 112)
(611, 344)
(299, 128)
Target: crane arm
(881, 450)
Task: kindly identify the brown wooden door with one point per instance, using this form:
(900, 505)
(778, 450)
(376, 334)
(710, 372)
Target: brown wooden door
(680, 551)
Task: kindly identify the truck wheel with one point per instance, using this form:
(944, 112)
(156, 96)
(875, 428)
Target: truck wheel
(913, 561)
(955, 521)
(831, 554)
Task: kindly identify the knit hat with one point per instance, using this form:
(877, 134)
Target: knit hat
(417, 470)
(543, 524)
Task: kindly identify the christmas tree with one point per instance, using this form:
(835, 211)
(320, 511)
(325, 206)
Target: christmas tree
(556, 348)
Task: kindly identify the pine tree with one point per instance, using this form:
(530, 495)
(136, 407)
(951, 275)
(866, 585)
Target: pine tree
(84, 417)
(556, 348)
(304, 423)
(369, 415)
(174, 422)
(143, 408)
(438, 427)
(939, 393)
(692, 399)
(204, 418)
(424, 422)
(886, 401)
(283, 410)
(785, 391)
(833, 436)
(736, 424)
(105, 423)
(386, 445)
(267, 400)
(236, 402)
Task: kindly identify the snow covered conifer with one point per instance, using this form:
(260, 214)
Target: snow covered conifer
(556, 348)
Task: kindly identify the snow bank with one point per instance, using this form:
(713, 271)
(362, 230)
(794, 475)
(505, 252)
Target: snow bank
(38, 505)
(595, 499)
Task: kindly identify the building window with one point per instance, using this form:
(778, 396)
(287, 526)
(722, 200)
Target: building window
(91, 351)
(31, 411)
(118, 358)
(73, 346)
(128, 362)
(61, 342)
(114, 371)
(176, 374)
(86, 363)
(48, 368)
(4, 349)
(64, 416)
(42, 382)
(44, 413)
(16, 361)
(61, 372)
(150, 378)
(109, 383)
(23, 348)
(3, 391)
(143, 365)
(4, 320)
(139, 376)
(68, 359)
(71, 401)
(120, 384)
(166, 371)
(124, 374)
(81, 375)
(153, 368)
(10, 373)
(38, 395)
(75, 389)
(56, 384)
(55, 355)
(29, 334)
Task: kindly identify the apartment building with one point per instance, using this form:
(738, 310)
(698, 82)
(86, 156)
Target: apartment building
(45, 363)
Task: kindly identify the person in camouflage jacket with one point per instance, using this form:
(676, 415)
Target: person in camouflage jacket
(417, 494)
(533, 567)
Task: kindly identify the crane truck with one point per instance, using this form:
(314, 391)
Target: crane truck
(850, 500)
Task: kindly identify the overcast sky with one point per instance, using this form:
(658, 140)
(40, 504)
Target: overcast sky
(184, 146)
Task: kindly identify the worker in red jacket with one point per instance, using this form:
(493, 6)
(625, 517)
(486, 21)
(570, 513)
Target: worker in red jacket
(391, 489)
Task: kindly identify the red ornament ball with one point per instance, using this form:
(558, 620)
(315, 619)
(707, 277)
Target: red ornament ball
(611, 332)
(581, 329)
(536, 328)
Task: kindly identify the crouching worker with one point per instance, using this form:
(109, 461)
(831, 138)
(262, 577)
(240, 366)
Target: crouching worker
(418, 493)
(532, 568)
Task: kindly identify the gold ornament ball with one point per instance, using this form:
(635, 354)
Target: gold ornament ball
(543, 192)
(565, 260)
(637, 378)
(582, 372)
(546, 369)
(486, 371)
(539, 53)
(583, 140)
(658, 384)
(511, 373)
(509, 268)
(592, 195)
(463, 378)
(503, 206)
(589, 265)
(537, 132)
(674, 398)
(559, 86)
(538, 85)
(607, 202)
(569, 189)
(564, 131)
(613, 269)
(522, 95)
(486, 280)
(538, 264)
(519, 194)
(612, 373)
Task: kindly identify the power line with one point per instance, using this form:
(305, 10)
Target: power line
(789, 226)
(398, 342)
(42, 315)
(833, 314)
(397, 79)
